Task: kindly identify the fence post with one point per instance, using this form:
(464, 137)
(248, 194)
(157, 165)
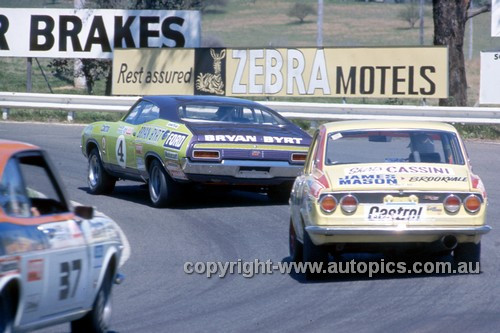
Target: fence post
(5, 113)
(71, 116)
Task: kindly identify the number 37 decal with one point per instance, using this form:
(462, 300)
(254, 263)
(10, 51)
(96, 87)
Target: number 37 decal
(69, 277)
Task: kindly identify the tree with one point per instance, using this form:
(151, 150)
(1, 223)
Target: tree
(450, 17)
(410, 13)
(300, 11)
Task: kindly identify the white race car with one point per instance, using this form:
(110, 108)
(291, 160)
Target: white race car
(57, 264)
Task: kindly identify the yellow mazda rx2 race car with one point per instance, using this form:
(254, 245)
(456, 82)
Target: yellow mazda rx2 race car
(373, 186)
(168, 141)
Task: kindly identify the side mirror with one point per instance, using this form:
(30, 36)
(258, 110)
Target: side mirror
(85, 212)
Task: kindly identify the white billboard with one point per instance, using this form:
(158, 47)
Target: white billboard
(93, 33)
(495, 18)
(489, 92)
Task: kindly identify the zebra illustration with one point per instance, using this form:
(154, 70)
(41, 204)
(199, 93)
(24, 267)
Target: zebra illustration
(212, 83)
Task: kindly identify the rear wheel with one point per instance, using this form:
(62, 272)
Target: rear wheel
(313, 254)
(295, 246)
(100, 182)
(161, 187)
(99, 318)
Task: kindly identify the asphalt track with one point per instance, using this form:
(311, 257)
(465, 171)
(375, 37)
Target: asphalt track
(157, 296)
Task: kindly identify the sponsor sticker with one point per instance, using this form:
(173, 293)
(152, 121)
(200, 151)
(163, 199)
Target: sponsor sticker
(98, 251)
(9, 266)
(394, 212)
(173, 125)
(105, 128)
(386, 179)
(32, 303)
(252, 138)
(171, 155)
(35, 270)
(444, 179)
(398, 169)
(151, 134)
(175, 171)
(175, 140)
(140, 163)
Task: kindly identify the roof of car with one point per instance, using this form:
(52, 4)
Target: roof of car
(161, 100)
(15, 146)
(387, 124)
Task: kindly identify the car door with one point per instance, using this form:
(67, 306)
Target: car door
(58, 277)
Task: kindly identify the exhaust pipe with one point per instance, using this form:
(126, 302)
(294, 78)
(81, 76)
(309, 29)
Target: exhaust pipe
(445, 243)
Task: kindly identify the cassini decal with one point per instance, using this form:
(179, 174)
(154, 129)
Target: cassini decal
(368, 180)
(398, 169)
(252, 138)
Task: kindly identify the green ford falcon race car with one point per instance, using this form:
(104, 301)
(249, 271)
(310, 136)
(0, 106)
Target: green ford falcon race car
(168, 141)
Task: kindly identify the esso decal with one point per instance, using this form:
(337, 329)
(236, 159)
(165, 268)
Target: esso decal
(121, 151)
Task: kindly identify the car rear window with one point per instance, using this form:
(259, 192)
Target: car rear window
(393, 146)
(228, 114)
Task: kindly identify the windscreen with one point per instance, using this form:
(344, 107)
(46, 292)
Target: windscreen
(393, 146)
(228, 114)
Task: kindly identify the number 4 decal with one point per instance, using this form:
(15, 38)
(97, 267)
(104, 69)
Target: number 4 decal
(121, 151)
(65, 278)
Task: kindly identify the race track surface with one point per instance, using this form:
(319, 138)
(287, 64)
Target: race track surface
(157, 296)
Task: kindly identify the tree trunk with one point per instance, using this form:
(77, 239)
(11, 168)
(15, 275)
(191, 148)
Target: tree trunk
(449, 28)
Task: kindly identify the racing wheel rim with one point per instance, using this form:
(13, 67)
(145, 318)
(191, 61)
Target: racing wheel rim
(104, 306)
(94, 172)
(155, 183)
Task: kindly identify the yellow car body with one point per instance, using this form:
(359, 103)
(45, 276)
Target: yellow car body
(374, 202)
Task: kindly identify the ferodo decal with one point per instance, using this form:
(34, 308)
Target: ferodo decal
(253, 138)
(121, 151)
(368, 180)
(175, 140)
(398, 169)
(394, 213)
(438, 179)
(151, 134)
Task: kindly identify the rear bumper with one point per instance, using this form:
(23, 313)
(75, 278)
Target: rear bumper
(383, 231)
(242, 169)
(390, 235)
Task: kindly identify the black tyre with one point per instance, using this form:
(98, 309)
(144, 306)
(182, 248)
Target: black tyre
(280, 193)
(99, 318)
(295, 246)
(467, 252)
(99, 181)
(313, 254)
(6, 314)
(162, 189)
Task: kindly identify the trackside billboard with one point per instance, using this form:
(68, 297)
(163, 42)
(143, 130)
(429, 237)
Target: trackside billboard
(489, 85)
(93, 33)
(495, 18)
(395, 72)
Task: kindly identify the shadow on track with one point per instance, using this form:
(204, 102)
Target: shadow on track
(195, 197)
(365, 260)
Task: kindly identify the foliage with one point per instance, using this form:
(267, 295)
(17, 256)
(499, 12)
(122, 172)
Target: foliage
(410, 13)
(300, 11)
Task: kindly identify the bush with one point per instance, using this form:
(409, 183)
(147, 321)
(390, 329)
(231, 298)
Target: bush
(410, 13)
(300, 11)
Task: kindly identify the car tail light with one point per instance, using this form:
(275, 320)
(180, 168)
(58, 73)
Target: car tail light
(299, 157)
(207, 154)
(452, 203)
(472, 204)
(349, 204)
(328, 203)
